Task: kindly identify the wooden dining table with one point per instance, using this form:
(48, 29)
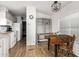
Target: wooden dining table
(58, 42)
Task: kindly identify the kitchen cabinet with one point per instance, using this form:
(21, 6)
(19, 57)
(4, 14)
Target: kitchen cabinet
(4, 46)
(17, 30)
(7, 41)
(1, 47)
(6, 18)
(12, 39)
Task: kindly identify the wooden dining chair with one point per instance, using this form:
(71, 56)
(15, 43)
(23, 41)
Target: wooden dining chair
(67, 47)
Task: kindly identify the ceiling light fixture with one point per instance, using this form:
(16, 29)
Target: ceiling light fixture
(55, 6)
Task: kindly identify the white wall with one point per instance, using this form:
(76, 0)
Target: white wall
(55, 24)
(31, 25)
(43, 25)
(43, 18)
(70, 24)
(42, 15)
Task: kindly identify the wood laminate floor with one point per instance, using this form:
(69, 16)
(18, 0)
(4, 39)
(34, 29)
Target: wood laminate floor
(21, 50)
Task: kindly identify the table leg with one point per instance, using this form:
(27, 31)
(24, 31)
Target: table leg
(56, 53)
(48, 43)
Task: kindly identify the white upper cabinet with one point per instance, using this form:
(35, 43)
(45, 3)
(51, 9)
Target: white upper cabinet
(3, 20)
(5, 17)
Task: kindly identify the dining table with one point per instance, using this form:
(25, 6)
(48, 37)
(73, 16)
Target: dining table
(61, 39)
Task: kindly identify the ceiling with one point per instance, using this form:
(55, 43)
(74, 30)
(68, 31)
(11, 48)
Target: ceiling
(18, 8)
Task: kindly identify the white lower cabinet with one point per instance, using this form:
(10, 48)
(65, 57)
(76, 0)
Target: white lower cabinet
(12, 39)
(1, 47)
(4, 46)
(7, 40)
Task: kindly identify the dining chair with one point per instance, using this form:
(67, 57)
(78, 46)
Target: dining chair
(67, 48)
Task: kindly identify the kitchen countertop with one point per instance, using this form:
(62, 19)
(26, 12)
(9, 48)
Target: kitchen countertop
(5, 34)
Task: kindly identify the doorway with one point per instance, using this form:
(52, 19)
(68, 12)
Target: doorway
(24, 30)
